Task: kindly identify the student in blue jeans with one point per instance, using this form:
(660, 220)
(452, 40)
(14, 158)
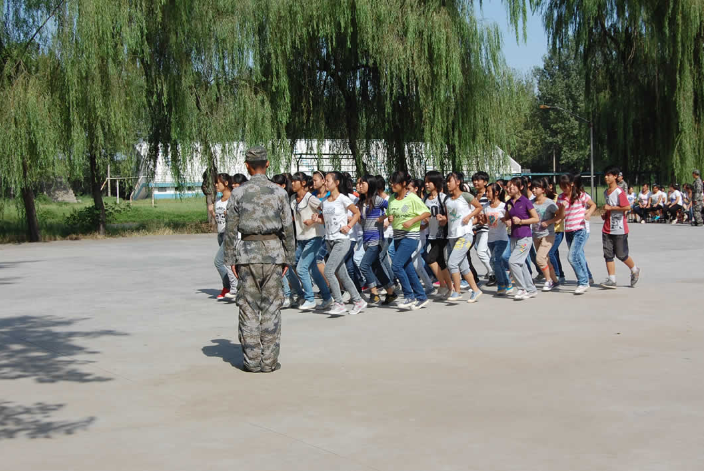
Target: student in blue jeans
(406, 211)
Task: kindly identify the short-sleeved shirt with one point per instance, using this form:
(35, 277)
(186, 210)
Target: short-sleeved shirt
(409, 207)
(495, 222)
(631, 198)
(654, 198)
(372, 228)
(546, 211)
(615, 221)
(676, 197)
(521, 210)
(484, 202)
(220, 210)
(335, 216)
(458, 209)
(436, 206)
(643, 199)
(303, 211)
(574, 211)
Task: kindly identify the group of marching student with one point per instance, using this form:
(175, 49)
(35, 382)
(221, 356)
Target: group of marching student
(362, 238)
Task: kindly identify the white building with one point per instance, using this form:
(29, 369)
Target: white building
(307, 156)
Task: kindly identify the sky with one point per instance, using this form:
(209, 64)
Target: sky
(522, 56)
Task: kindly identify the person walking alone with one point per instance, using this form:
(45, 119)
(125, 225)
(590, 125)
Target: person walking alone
(260, 211)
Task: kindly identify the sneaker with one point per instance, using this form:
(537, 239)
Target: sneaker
(307, 306)
(656, 218)
(464, 284)
(511, 290)
(642, 221)
(581, 289)
(474, 295)
(454, 297)
(390, 299)
(346, 297)
(674, 221)
(324, 305)
(501, 291)
(634, 277)
(548, 286)
(286, 304)
(231, 295)
(337, 309)
(365, 288)
(492, 281)
(436, 284)
(374, 299)
(407, 304)
(430, 292)
(223, 293)
(358, 307)
(520, 295)
(443, 293)
(608, 284)
(296, 302)
(420, 304)
(530, 294)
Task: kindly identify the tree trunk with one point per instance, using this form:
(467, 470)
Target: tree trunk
(352, 119)
(30, 209)
(97, 194)
(208, 187)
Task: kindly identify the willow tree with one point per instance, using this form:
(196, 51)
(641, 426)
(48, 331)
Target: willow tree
(205, 89)
(417, 74)
(644, 77)
(101, 87)
(29, 133)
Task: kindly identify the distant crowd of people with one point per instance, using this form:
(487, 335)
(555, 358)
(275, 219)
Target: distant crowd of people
(366, 241)
(679, 205)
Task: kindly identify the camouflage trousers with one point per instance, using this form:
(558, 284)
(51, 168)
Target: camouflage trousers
(697, 210)
(260, 297)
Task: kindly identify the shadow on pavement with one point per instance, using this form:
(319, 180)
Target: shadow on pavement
(35, 421)
(213, 293)
(229, 352)
(39, 347)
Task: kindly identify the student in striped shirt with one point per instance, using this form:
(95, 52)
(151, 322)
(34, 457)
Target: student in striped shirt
(372, 207)
(576, 207)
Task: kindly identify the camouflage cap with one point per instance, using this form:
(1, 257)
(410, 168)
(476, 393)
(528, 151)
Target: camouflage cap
(256, 154)
(696, 172)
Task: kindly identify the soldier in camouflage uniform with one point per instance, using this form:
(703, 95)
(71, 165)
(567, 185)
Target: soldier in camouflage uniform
(259, 210)
(697, 195)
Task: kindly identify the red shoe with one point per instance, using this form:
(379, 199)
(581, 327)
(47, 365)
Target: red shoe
(223, 293)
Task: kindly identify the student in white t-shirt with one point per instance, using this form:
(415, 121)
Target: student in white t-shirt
(643, 203)
(674, 205)
(497, 237)
(224, 186)
(656, 202)
(338, 227)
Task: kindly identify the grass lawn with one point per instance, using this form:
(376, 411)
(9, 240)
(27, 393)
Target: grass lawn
(187, 215)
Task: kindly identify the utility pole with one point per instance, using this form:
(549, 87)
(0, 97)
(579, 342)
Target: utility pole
(109, 194)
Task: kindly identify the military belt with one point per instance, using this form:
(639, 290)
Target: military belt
(251, 237)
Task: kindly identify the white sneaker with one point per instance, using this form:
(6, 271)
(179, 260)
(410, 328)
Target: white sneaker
(231, 295)
(287, 303)
(337, 309)
(407, 304)
(307, 306)
(358, 307)
(532, 294)
(346, 297)
(581, 289)
(549, 285)
(520, 295)
(642, 221)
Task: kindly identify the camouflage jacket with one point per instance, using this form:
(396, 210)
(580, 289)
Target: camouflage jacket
(697, 190)
(259, 207)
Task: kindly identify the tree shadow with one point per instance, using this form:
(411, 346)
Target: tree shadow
(38, 347)
(34, 421)
(10, 280)
(229, 352)
(14, 264)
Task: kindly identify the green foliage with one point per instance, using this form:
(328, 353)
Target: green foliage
(87, 219)
(643, 75)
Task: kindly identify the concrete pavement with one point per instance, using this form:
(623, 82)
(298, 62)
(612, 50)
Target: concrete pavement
(114, 355)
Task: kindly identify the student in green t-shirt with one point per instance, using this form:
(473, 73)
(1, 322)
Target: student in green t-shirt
(405, 213)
